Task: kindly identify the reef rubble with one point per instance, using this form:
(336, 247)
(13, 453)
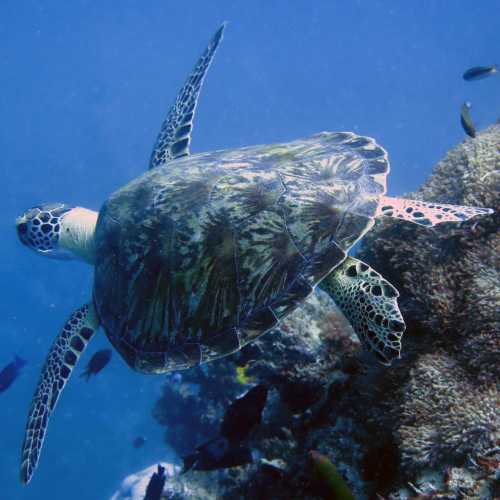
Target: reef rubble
(429, 426)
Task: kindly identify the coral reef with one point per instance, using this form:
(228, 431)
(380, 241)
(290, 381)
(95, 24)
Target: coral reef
(446, 410)
(428, 427)
(443, 417)
(449, 277)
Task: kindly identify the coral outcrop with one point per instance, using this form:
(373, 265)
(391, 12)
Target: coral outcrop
(444, 417)
(429, 425)
(449, 277)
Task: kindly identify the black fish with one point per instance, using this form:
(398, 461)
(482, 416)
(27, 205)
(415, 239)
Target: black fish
(244, 414)
(217, 454)
(227, 449)
(156, 484)
(10, 372)
(139, 442)
(466, 120)
(97, 362)
(479, 72)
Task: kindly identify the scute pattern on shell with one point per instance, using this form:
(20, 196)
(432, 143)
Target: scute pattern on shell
(196, 259)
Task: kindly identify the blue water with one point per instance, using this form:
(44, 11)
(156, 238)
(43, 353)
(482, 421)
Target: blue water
(84, 87)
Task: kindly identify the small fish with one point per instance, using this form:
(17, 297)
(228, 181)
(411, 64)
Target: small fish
(10, 372)
(156, 484)
(97, 362)
(244, 414)
(480, 72)
(327, 475)
(217, 454)
(227, 449)
(242, 377)
(466, 120)
(139, 442)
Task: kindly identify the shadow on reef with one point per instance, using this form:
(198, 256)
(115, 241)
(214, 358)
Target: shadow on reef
(426, 428)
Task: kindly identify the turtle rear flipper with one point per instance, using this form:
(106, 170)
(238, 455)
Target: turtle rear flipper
(426, 214)
(61, 360)
(369, 302)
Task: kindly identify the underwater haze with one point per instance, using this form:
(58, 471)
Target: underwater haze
(85, 87)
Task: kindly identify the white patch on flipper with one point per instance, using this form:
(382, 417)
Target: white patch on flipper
(426, 214)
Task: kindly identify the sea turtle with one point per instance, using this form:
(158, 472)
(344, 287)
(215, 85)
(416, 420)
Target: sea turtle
(202, 254)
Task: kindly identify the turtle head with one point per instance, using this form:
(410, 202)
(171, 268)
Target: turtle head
(39, 228)
(59, 231)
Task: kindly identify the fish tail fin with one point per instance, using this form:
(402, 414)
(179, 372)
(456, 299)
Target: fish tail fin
(188, 462)
(86, 374)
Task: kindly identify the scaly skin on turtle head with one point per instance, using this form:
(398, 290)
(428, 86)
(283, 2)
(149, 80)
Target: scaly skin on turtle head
(39, 228)
(58, 231)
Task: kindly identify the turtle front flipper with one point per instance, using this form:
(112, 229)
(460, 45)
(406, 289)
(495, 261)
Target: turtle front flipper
(369, 302)
(426, 214)
(175, 134)
(61, 360)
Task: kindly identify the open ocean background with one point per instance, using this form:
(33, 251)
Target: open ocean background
(84, 87)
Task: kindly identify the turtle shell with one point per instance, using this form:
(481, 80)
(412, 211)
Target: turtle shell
(196, 259)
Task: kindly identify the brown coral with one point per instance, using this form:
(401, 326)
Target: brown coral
(445, 417)
(449, 277)
(437, 407)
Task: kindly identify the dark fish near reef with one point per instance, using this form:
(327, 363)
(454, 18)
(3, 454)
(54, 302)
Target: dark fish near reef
(244, 414)
(227, 449)
(139, 442)
(156, 484)
(10, 372)
(97, 362)
(326, 476)
(480, 72)
(466, 120)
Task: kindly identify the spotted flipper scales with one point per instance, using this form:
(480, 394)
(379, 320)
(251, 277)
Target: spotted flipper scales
(369, 302)
(61, 360)
(426, 214)
(175, 134)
